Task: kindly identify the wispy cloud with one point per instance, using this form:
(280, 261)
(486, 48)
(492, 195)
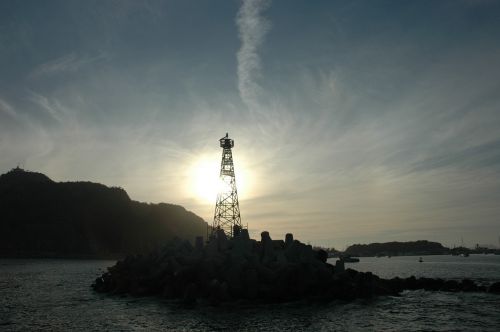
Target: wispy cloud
(44, 103)
(68, 63)
(477, 157)
(55, 109)
(6, 108)
(253, 28)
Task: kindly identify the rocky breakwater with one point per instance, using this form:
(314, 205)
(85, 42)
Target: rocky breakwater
(241, 268)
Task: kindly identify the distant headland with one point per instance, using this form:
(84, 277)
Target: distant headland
(43, 218)
(412, 248)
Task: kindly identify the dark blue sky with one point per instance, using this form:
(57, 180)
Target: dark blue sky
(354, 121)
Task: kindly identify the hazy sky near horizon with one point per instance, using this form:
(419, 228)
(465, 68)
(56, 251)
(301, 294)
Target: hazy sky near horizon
(354, 121)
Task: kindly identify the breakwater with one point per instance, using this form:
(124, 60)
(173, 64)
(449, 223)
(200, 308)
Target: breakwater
(269, 270)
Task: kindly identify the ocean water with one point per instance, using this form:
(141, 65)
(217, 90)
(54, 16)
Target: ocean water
(55, 295)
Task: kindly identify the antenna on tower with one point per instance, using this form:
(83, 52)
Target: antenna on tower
(227, 210)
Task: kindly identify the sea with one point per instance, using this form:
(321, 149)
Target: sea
(55, 295)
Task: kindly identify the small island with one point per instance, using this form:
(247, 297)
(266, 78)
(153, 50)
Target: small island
(410, 248)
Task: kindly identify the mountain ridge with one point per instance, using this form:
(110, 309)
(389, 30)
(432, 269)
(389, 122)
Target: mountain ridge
(43, 218)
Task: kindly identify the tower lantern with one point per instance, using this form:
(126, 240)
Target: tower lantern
(227, 210)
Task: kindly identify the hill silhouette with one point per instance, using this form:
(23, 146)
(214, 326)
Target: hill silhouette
(43, 218)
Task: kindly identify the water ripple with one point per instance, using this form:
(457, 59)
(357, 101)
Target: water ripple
(55, 295)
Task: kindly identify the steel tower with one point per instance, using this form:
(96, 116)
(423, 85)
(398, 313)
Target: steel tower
(227, 210)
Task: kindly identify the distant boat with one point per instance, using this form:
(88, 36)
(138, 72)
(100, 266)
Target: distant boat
(420, 260)
(349, 259)
(465, 254)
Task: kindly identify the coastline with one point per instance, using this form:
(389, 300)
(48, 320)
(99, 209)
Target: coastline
(53, 255)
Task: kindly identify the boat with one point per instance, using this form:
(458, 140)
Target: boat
(420, 260)
(349, 259)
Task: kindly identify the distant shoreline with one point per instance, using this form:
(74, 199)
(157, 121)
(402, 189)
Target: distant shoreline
(117, 257)
(50, 255)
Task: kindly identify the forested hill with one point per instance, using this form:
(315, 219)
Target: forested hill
(43, 218)
(397, 249)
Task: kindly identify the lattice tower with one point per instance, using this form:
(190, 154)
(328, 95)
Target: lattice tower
(227, 210)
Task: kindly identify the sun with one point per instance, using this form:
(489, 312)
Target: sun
(205, 183)
(205, 180)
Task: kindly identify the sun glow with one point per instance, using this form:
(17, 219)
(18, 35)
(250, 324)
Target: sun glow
(206, 182)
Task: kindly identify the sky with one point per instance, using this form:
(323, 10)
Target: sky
(354, 121)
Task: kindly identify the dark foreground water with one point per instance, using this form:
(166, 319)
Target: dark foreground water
(56, 295)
